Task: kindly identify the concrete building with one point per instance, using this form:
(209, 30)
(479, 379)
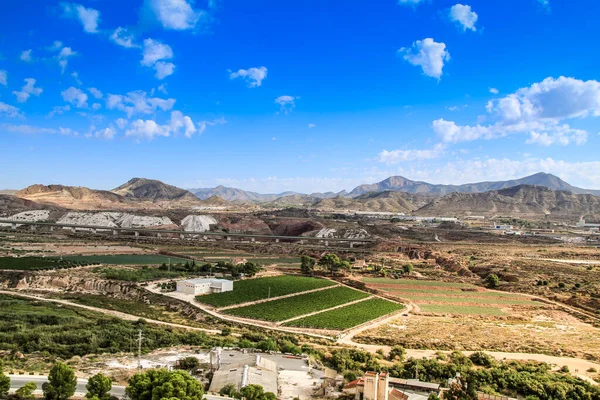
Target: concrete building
(583, 224)
(379, 386)
(255, 370)
(204, 286)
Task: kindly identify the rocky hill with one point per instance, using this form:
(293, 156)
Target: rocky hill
(399, 183)
(74, 197)
(10, 205)
(516, 201)
(237, 195)
(396, 202)
(154, 191)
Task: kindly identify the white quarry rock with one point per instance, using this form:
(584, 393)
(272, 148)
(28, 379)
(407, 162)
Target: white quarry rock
(29, 216)
(139, 221)
(197, 223)
(326, 233)
(356, 234)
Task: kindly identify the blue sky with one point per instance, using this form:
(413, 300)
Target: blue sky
(307, 96)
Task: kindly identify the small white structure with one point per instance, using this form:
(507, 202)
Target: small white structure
(204, 286)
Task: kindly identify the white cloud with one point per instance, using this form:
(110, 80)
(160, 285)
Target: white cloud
(87, 16)
(410, 2)
(252, 76)
(96, 106)
(75, 76)
(106, 133)
(95, 92)
(26, 55)
(123, 37)
(147, 129)
(429, 55)
(545, 4)
(121, 123)
(56, 45)
(311, 126)
(139, 102)
(456, 108)
(59, 110)
(175, 14)
(538, 110)
(155, 51)
(25, 129)
(162, 88)
(286, 103)
(397, 156)
(75, 96)
(464, 16)
(67, 131)
(3, 75)
(8, 110)
(180, 121)
(27, 90)
(164, 69)
(494, 91)
(63, 56)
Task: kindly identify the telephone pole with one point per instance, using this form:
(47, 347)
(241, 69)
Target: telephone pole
(140, 337)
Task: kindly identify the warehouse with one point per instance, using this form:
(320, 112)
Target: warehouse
(204, 286)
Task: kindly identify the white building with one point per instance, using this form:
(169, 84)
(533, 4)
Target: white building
(204, 286)
(583, 224)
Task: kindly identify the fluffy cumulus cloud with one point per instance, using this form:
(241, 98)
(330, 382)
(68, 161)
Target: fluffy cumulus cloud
(26, 55)
(538, 110)
(123, 37)
(175, 14)
(75, 97)
(178, 124)
(311, 126)
(63, 56)
(182, 122)
(27, 90)
(164, 69)
(59, 110)
(252, 76)
(286, 103)
(87, 16)
(106, 133)
(427, 54)
(494, 91)
(138, 102)
(464, 16)
(8, 110)
(121, 123)
(3, 75)
(398, 156)
(95, 92)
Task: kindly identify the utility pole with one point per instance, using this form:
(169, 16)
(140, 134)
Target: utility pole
(140, 337)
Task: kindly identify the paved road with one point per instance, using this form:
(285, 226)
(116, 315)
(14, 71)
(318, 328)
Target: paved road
(18, 381)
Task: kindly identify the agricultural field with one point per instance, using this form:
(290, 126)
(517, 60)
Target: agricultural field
(347, 317)
(143, 274)
(39, 263)
(290, 307)
(451, 298)
(263, 288)
(127, 259)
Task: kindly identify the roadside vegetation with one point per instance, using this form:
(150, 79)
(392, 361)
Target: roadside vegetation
(263, 288)
(126, 259)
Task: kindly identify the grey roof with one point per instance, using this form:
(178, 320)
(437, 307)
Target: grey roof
(205, 280)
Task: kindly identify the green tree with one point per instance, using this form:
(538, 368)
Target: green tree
(229, 390)
(158, 384)
(98, 386)
(4, 382)
(492, 281)
(188, 363)
(256, 392)
(250, 268)
(61, 383)
(408, 268)
(307, 265)
(397, 353)
(26, 392)
(331, 262)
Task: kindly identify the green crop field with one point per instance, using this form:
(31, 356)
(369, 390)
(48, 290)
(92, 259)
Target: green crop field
(349, 316)
(476, 300)
(38, 263)
(415, 283)
(260, 288)
(290, 307)
(456, 309)
(127, 259)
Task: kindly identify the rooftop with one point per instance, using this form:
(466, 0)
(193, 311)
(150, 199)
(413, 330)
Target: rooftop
(204, 280)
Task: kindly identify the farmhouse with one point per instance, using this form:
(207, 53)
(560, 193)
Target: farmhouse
(204, 286)
(379, 386)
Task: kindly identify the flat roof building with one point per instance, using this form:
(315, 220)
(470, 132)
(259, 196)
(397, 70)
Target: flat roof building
(254, 371)
(204, 286)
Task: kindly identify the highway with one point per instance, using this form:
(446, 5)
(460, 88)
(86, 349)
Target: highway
(93, 229)
(18, 381)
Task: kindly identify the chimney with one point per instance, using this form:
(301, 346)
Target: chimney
(383, 387)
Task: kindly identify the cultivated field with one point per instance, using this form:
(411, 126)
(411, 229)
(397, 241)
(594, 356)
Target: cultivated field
(262, 288)
(349, 316)
(451, 298)
(290, 307)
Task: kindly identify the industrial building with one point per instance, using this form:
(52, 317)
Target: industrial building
(204, 286)
(379, 386)
(252, 370)
(583, 224)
